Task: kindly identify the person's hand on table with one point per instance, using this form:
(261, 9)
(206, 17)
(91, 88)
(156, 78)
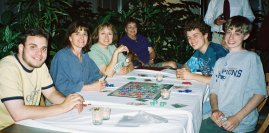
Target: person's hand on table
(99, 85)
(123, 70)
(231, 123)
(73, 101)
(183, 74)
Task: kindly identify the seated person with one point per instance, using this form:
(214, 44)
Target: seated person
(24, 77)
(238, 84)
(204, 58)
(72, 69)
(104, 53)
(141, 51)
(205, 55)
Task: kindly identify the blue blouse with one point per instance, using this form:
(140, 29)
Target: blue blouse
(69, 74)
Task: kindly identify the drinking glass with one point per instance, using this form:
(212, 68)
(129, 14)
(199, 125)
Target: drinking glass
(165, 94)
(97, 115)
(106, 113)
(159, 77)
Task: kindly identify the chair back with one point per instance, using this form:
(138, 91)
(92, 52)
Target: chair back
(265, 124)
(260, 107)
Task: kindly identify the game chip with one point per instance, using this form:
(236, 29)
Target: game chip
(187, 83)
(186, 90)
(109, 85)
(162, 104)
(152, 104)
(131, 78)
(223, 118)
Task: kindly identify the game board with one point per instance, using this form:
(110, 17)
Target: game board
(141, 90)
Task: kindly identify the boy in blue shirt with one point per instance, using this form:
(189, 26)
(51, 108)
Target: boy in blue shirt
(205, 55)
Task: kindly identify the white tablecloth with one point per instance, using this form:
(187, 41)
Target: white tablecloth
(180, 120)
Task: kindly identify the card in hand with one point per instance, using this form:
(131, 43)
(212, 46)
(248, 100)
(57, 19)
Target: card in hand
(142, 75)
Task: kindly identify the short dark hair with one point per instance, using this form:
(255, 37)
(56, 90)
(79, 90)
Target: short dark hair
(131, 20)
(196, 23)
(240, 23)
(95, 34)
(74, 27)
(33, 32)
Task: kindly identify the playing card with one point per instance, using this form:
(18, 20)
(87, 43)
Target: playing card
(178, 105)
(141, 100)
(147, 80)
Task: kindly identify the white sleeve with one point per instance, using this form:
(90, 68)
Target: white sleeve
(210, 15)
(247, 11)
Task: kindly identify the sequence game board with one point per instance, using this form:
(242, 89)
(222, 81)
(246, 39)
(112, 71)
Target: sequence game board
(141, 90)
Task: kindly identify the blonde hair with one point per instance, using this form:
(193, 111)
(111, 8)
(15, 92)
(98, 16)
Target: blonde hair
(240, 24)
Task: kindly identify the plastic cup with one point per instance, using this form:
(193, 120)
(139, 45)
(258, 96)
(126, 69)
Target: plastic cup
(97, 115)
(106, 113)
(165, 94)
(159, 77)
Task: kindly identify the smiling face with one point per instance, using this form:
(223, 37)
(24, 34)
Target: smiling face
(131, 29)
(79, 39)
(197, 40)
(238, 30)
(34, 52)
(234, 39)
(105, 36)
